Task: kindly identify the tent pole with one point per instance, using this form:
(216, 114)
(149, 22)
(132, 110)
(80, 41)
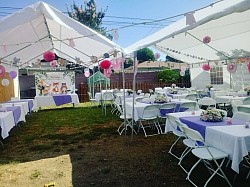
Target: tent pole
(134, 82)
(124, 99)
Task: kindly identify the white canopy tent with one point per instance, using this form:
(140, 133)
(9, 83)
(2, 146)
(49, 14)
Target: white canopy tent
(28, 33)
(226, 22)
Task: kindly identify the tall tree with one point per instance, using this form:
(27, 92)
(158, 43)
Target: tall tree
(89, 16)
(145, 54)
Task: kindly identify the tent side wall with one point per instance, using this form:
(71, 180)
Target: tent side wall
(239, 80)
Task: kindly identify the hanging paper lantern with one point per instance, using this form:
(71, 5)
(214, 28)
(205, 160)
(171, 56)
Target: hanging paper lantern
(206, 39)
(182, 73)
(5, 82)
(2, 71)
(107, 72)
(105, 64)
(206, 67)
(91, 66)
(49, 56)
(13, 74)
(106, 55)
(53, 63)
(183, 68)
(86, 73)
(248, 67)
(157, 56)
(231, 67)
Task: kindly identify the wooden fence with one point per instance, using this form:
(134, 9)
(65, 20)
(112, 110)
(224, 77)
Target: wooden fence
(144, 82)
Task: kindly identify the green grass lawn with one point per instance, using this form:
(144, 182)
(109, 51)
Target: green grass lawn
(99, 156)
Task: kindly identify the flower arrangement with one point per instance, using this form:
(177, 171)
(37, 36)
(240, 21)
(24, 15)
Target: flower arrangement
(160, 98)
(173, 86)
(247, 89)
(129, 91)
(212, 115)
(172, 91)
(116, 90)
(209, 86)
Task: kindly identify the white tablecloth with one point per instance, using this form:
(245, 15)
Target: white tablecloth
(6, 123)
(139, 107)
(177, 115)
(227, 98)
(232, 139)
(45, 101)
(23, 106)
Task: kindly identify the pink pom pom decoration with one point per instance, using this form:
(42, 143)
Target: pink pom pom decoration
(248, 67)
(105, 64)
(206, 39)
(206, 67)
(231, 67)
(49, 56)
(157, 55)
(53, 63)
(2, 71)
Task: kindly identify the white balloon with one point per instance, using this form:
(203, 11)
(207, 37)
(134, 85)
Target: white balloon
(5, 82)
(182, 73)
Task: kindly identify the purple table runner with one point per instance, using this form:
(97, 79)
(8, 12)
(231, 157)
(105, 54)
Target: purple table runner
(16, 110)
(195, 123)
(62, 99)
(30, 103)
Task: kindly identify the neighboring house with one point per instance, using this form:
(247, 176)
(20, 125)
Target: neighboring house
(157, 66)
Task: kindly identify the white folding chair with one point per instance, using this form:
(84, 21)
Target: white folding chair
(188, 106)
(206, 102)
(235, 104)
(149, 119)
(127, 120)
(189, 143)
(165, 109)
(242, 108)
(241, 116)
(207, 154)
(192, 97)
(171, 120)
(246, 101)
(92, 100)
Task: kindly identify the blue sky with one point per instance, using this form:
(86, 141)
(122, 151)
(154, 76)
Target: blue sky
(132, 9)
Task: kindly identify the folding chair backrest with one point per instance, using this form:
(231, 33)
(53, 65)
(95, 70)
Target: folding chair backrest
(241, 116)
(193, 134)
(243, 109)
(172, 121)
(107, 96)
(192, 97)
(246, 101)
(151, 111)
(188, 106)
(167, 108)
(90, 96)
(235, 104)
(139, 99)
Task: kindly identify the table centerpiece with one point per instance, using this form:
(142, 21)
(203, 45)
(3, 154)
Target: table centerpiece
(161, 98)
(212, 115)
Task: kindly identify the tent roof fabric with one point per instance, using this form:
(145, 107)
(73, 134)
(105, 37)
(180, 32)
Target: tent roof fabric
(226, 22)
(28, 33)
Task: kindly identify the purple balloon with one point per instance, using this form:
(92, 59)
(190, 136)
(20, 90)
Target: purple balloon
(13, 74)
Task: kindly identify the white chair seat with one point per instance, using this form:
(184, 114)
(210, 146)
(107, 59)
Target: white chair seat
(204, 154)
